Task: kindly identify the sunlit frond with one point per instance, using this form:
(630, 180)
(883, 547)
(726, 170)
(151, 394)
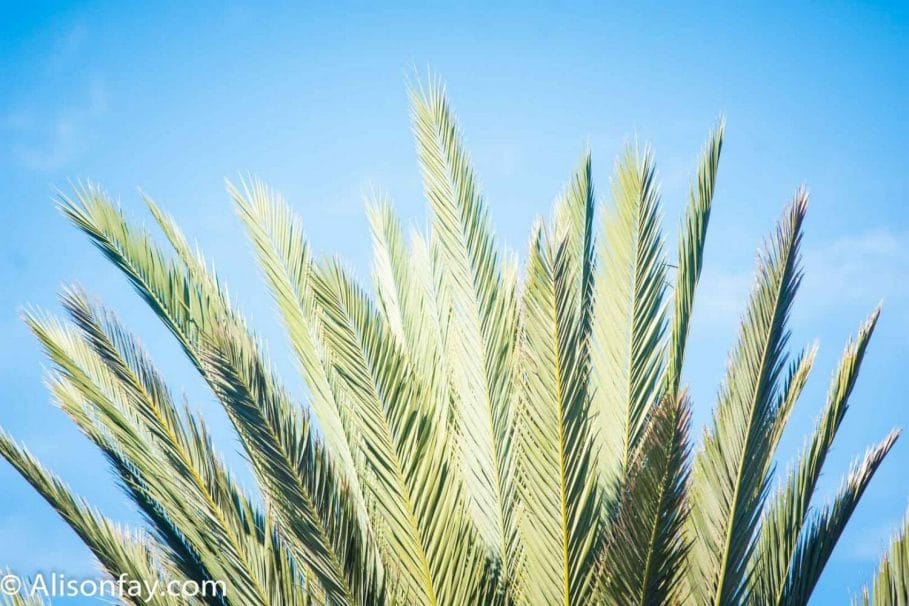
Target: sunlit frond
(284, 258)
(890, 586)
(413, 490)
(118, 550)
(313, 508)
(407, 298)
(823, 529)
(646, 555)
(691, 254)
(560, 528)
(775, 554)
(480, 331)
(732, 469)
(629, 315)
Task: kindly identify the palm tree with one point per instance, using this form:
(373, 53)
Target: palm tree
(473, 432)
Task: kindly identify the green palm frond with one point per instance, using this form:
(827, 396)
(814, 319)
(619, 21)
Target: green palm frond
(630, 322)
(791, 389)
(824, 528)
(691, 255)
(284, 258)
(480, 334)
(406, 294)
(183, 449)
(314, 510)
(732, 470)
(120, 551)
(556, 456)
(574, 215)
(775, 554)
(646, 556)
(311, 506)
(406, 457)
(890, 586)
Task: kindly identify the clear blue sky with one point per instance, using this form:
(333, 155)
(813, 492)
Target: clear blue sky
(313, 100)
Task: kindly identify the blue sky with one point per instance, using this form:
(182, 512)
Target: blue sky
(313, 100)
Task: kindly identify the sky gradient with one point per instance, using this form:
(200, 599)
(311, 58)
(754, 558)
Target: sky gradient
(313, 100)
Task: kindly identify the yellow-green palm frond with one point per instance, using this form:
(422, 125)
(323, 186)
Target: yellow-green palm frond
(629, 323)
(791, 389)
(413, 487)
(396, 294)
(285, 260)
(406, 295)
(574, 215)
(182, 446)
(481, 327)
(822, 531)
(118, 550)
(115, 396)
(890, 586)
(560, 527)
(691, 254)
(646, 555)
(308, 500)
(775, 554)
(732, 469)
(314, 509)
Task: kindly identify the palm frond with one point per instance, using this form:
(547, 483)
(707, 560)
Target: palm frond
(630, 319)
(480, 333)
(285, 260)
(646, 556)
(308, 499)
(774, 556)
(574, 215)
(556, 456)
(130, 417)
(119, 551)
(732, 470)
(791, 389)
(406, 292)
(314, 509)
(691, 254)
(824, 529)
(413, 488)
(890, 586)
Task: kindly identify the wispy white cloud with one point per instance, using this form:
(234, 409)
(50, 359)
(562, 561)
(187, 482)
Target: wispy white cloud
(858, 268)
(851, 274)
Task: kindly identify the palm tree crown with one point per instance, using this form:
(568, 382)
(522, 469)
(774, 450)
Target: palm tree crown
(474, 431)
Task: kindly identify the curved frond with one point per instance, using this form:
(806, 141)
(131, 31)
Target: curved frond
(419, 508)
(731, 472)
(691, 254)
(119, 551)
(285, 260)
(823, 530)
(890, 586)
(774, 556)
(481, 328)
(311, 505)
(647, 553)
